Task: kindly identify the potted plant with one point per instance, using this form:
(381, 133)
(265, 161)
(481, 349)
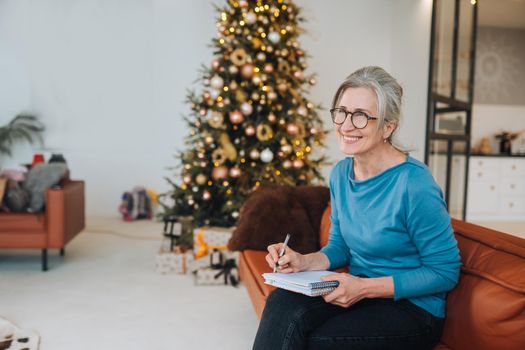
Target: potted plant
(22, 127)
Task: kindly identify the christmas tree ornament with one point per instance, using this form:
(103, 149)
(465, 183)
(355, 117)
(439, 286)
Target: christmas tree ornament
(206, 82)
(238, 57)
(298, 74)
(250, 17)
(284, 52)
(256, 80)
(264, 132)
(243, 3)
(214, 94)
(312, 81)
(287, 148)
(272, 95)
(206, 195)
(302, 111)
(229, 149)
(233, 69)
(195, 189)
(267, 155)
(208, 139)
(216, 120)
(246, 108)
(292, 129)
(218, 156)
(236, 117)
(233, 85)
(205, 95)
(250, 130)
(274, 37)
(247, 70)
(200, 179)
(255, 96)
(186, 179)
(261, 56)
(215, 64)
(283, 66)
(298, 163)
(203, 111)
(235, 172)
(235, 214)
(254, 154)
(268, 68)
(240, 96)
(217, 82)
(269, 49)
(219, 172)
(272, 118)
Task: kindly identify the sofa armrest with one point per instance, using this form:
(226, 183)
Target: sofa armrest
(65, 213)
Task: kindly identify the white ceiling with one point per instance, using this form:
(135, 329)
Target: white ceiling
(501, 13)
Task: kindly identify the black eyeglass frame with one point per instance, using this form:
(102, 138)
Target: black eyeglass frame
(339, 109)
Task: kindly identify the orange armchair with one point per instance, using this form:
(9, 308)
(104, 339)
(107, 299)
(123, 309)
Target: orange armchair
(62, 219)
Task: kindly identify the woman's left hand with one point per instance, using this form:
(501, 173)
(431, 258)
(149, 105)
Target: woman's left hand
(350, 290)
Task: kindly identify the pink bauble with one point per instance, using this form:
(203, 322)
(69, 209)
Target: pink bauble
(247, 70)
(292, 129)
(219, 172)
(250, 130)
(235, 171)
(298, 163)
(287, 164)
(236, 117)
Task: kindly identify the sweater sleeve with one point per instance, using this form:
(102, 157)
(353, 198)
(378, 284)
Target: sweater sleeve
(429, 227)
(337, 252)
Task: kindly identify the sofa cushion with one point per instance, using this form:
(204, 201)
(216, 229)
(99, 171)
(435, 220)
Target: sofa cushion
(489, 300)
(39, 179)
(268, 215)
(324, 231)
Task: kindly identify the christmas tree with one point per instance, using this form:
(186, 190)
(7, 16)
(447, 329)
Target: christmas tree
(251, 125)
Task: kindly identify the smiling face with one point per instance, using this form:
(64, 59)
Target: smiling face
(354, 141)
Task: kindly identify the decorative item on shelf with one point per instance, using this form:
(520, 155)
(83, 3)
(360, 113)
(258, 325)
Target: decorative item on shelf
(37, 158)
(485, 146)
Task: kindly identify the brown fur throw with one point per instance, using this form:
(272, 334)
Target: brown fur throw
(272, 212)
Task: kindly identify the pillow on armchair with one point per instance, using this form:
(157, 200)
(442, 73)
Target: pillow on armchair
(268, 215)
(39, 179)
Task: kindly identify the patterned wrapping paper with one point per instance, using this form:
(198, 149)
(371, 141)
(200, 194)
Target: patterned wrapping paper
(175, 261)
(213, 236)
(209, 276)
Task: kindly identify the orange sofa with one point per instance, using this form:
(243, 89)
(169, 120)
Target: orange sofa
(62, 219)
(486, 310)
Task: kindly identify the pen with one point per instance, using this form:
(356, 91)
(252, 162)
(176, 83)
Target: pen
(281, 251)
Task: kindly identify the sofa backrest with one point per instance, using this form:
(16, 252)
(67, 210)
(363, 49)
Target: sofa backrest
(486, 310)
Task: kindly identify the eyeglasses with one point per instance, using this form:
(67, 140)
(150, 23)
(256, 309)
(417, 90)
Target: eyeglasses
(359, 119)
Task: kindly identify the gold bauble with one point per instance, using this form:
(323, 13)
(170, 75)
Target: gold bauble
(200, 179)
(264, 132)
(284, 66)
(256, 43)
(240, 96)
(272, 118)
(216, 120)
(229, 149)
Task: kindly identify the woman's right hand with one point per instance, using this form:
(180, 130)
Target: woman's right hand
(291, 261)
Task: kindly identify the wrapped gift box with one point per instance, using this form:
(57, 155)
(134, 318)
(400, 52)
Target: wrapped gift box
(176, 261)
(211, 259)
(209, 276)
(213, 236)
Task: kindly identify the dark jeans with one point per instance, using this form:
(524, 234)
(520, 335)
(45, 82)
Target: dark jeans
(295, 321)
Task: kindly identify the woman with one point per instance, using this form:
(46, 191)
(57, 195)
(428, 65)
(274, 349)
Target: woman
(389, 225)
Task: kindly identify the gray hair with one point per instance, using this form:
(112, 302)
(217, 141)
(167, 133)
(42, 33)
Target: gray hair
(388, 92)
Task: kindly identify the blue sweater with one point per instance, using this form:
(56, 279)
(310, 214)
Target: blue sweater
(394, 224)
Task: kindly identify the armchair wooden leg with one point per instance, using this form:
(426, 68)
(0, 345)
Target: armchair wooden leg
(62, 251)
(44, 259)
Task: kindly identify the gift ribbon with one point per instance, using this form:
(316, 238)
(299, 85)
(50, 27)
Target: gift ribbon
(202, 248)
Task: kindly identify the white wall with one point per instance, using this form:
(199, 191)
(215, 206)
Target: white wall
(109, 77)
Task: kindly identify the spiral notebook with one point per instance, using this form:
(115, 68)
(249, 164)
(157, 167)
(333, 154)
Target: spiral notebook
(307, 282)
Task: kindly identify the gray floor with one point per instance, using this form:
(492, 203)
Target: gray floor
(106, 294)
